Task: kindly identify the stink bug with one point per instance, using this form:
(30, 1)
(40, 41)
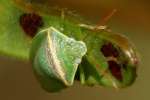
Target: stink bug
(66, 46)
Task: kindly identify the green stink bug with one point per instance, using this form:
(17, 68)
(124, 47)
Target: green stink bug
(110, 59)
(104, 58)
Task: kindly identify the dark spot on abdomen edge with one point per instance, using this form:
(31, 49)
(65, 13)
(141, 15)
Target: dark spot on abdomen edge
(30, 23)
(115, 69)
(109, 50)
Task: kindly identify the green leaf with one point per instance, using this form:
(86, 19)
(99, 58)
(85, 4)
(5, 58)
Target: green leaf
(56, 57)
(13, 41)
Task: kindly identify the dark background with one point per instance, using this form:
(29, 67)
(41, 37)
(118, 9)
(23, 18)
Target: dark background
(17, 81)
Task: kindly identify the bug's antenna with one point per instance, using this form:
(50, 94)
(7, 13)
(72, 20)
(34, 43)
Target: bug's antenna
(102, 24)
(107, 17)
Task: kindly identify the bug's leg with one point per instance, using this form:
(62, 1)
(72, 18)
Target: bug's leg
(62, 13)
(92, 27)
(106, 73)
(82, 75)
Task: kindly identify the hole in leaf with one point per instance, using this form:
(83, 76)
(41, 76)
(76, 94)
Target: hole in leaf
(30, 23)
(115, 70)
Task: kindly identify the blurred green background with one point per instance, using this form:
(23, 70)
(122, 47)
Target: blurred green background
(17, 81)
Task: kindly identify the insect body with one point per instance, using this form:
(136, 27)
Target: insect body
(104, 58)
(110, 59)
